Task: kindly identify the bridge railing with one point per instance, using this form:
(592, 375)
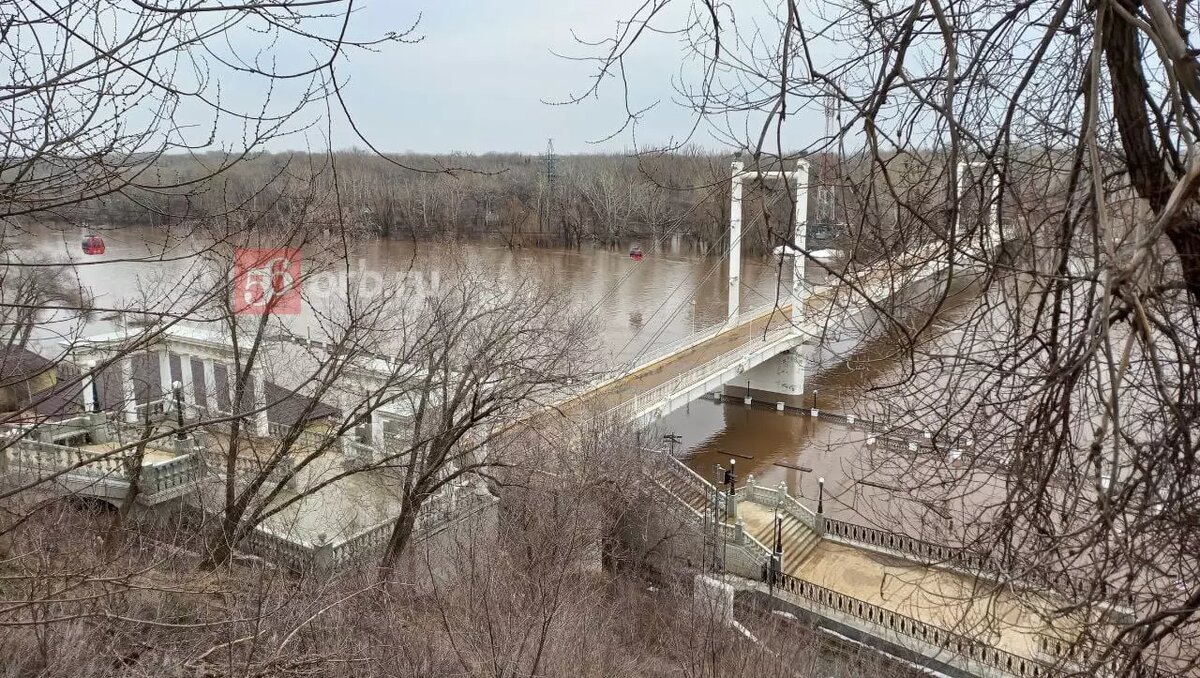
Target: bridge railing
(293, 554)
(644, 359)
(56, 460)
(645, 400)
(818, 301)
(699, 337)
(984, 565)
(301, 555)
(172, 475)
(681, 470)
(915, 629)
(921, 550)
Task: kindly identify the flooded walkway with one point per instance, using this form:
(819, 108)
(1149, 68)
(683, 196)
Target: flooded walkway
(956, 602)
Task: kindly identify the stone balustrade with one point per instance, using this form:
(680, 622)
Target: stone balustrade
(106, 475)
(171, 478)
(778, 497)
(325, 556)
(157, 482)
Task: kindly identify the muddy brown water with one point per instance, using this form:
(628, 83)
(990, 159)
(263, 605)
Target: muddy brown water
(638, 306)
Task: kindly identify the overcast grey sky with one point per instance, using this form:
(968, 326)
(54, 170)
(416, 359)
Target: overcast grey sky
(478, 80)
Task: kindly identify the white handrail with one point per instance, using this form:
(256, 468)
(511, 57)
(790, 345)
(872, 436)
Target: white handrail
(699, 337)
(654, 394)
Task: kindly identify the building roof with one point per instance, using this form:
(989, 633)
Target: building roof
(287, 406)
(19, 364)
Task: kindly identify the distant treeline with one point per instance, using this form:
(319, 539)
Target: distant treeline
(607, 199)
(611, 200)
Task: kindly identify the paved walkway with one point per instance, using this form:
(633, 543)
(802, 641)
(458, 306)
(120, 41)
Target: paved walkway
(959, 603)
(337, 510)
(952, 601)
(153, 455)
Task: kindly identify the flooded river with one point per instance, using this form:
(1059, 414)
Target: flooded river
(638, 305)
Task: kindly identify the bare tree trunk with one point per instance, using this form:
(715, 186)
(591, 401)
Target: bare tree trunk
(402, 532)
(133, 471)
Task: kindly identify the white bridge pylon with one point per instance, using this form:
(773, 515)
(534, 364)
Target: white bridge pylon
(993, 201)
(798, 178)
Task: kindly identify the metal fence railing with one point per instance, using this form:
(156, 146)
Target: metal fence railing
(928, 634)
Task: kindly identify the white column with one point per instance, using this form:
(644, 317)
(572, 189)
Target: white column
(800, 262)
(958, 189)
(231, 377)
(260, 402)
(796, 358)
(376, 431)
(187, 379)
(89, 387)
(735, 239)
(210, 385)
(164, 371)
(994, 226)
(127, 389)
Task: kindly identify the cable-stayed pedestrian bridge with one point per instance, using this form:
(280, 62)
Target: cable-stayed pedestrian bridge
(766, 348)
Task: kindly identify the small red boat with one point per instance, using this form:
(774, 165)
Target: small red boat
(636, 253)
(93, 244)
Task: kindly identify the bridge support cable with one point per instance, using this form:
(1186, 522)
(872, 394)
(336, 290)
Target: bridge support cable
(738, 172)
(668, 232)
(699, 284)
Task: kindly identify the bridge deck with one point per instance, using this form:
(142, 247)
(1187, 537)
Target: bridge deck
(824, 307)
(649, 375)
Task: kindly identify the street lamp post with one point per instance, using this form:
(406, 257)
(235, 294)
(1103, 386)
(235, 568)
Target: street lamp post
(91, 366)
(820, 496)
(731, 479)
(721, 474)
(775, 560)
(672, 439)
(178, 389)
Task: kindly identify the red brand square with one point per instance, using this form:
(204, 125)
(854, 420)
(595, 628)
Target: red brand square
(266, 281)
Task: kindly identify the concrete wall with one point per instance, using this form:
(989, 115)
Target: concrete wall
(780, 379)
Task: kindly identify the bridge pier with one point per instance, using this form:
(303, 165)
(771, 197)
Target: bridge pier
(778, 380)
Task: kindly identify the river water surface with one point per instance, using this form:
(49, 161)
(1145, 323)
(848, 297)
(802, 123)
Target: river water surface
(638, 305)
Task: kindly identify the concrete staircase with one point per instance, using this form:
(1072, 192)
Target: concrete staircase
(691, 493)
(798, 540)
